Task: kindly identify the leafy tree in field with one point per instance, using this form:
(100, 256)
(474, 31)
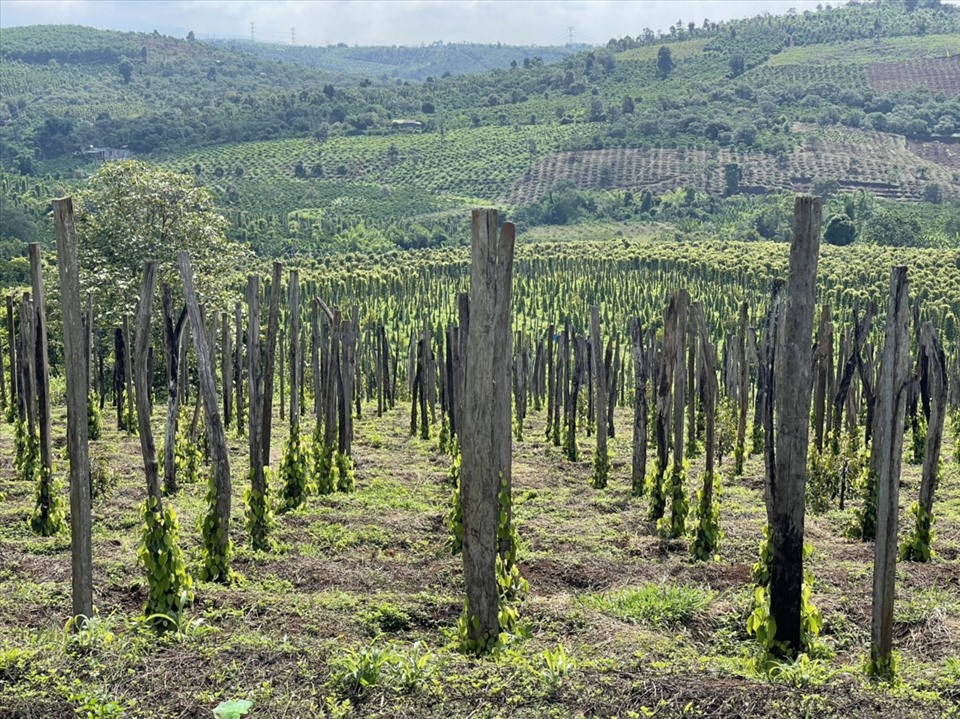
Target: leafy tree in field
(131, 212)
(126, 70)
(664, 61)
(895, 229)
(732, 174)
(627, 106)
(840, 231)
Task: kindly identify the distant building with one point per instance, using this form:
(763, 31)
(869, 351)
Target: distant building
(407, 124)
(103, 154)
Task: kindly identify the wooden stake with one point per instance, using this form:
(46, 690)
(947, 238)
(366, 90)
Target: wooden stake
(77, 389)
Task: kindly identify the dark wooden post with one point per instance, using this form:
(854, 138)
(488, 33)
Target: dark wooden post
(258, 482)
(824, 366)
(791, 389)
(238, 365)
(128, 373)
(743, 389)
(12, 353)
(42, 367)
(208, 389)
(894, 378)
(172, 332)
(601, 383)
(141, 377)
(226, 373)
(77, 390)
(294, 341)
(639, 465)
(486, 440)
(273, 322)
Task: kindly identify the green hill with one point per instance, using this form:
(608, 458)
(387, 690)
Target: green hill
(404, 63)
(863, 97)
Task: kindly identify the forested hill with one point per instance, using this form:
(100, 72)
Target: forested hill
(707, 126)
(405, 63)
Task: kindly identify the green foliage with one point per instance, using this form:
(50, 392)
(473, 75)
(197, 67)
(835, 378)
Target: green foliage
(917, 546)
(601, 469)
(918, 439)
(216, 543)
(49, 514)
(102, 479)
(258, 509)
(232, 709)
(557, 665)
(94, 418)
(662, 605)
(840, 231)
(294, 469)
(570, 449)
(655, 488)
(325, 471)
(726, 434)
(131, 212)
(454, 516)
(828, 471)
(762, 625)
(865, 518)
(708, 534)
(346, 480)
(159, 553)
(884, 669)
(676, 491)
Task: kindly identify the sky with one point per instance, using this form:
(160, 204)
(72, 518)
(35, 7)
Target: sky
(391, 22)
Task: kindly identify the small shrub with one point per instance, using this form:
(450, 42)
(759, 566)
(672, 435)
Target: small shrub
(658, 604)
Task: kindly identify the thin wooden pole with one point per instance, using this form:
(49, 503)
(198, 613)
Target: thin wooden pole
(77, 390)
(42, 363)
(273, 322)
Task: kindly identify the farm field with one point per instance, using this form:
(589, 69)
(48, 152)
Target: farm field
(645, 629)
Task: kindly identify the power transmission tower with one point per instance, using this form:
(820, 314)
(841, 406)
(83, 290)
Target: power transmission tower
(293, 36)
(570, 35)
(253, 38)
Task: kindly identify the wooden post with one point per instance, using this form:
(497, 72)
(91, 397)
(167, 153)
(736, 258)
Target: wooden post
(142, 380)
(254, 383)
(486, 440)
(12, 353)
(348, 370)
(218, 441)
(824, 366)
(294, 339)
(601, 384)
(315, 359)
(273, 323)
(551, 379)
(42, 367)
(331, 392)
(743, 388)
(77, 390)
(791, 389)
(172, 332)
(238, 364)
(128, 373)
(28, 360)
(936, 382)
(639, 464)
(894, 378)
(226, 374)
(88, 343)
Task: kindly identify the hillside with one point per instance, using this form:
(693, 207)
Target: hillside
(862, 97)
(404, 63)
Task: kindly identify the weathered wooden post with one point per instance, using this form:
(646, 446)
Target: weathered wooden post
(258, 505)
(743, 390)
(824, 366)
(42, 367)
(12, 354)
(238, 365)
(128, 374)
(217, 539)
(172, 331)
(707, 534)
(639, 464)
(791, 391)
(273, 323)
(888, 444)
(486, 440)
(601, 461)
(77, 390)
(226, 373)
(141, 377)
(934, 378)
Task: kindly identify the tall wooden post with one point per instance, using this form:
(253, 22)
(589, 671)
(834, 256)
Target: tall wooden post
(273, 323)
(226, 373)
(791, 388)
(639, 464)
(486, 440)
(294, 349)
(141, 377)
(172, 332)
(77, 390)
(238, 364)
(128, 373)
(601, 462)
(12, 353)
(42, 366)
(208, 390)
(888, 444)
(743, 389)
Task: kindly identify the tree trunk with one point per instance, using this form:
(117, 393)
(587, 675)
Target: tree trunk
(77, 366)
